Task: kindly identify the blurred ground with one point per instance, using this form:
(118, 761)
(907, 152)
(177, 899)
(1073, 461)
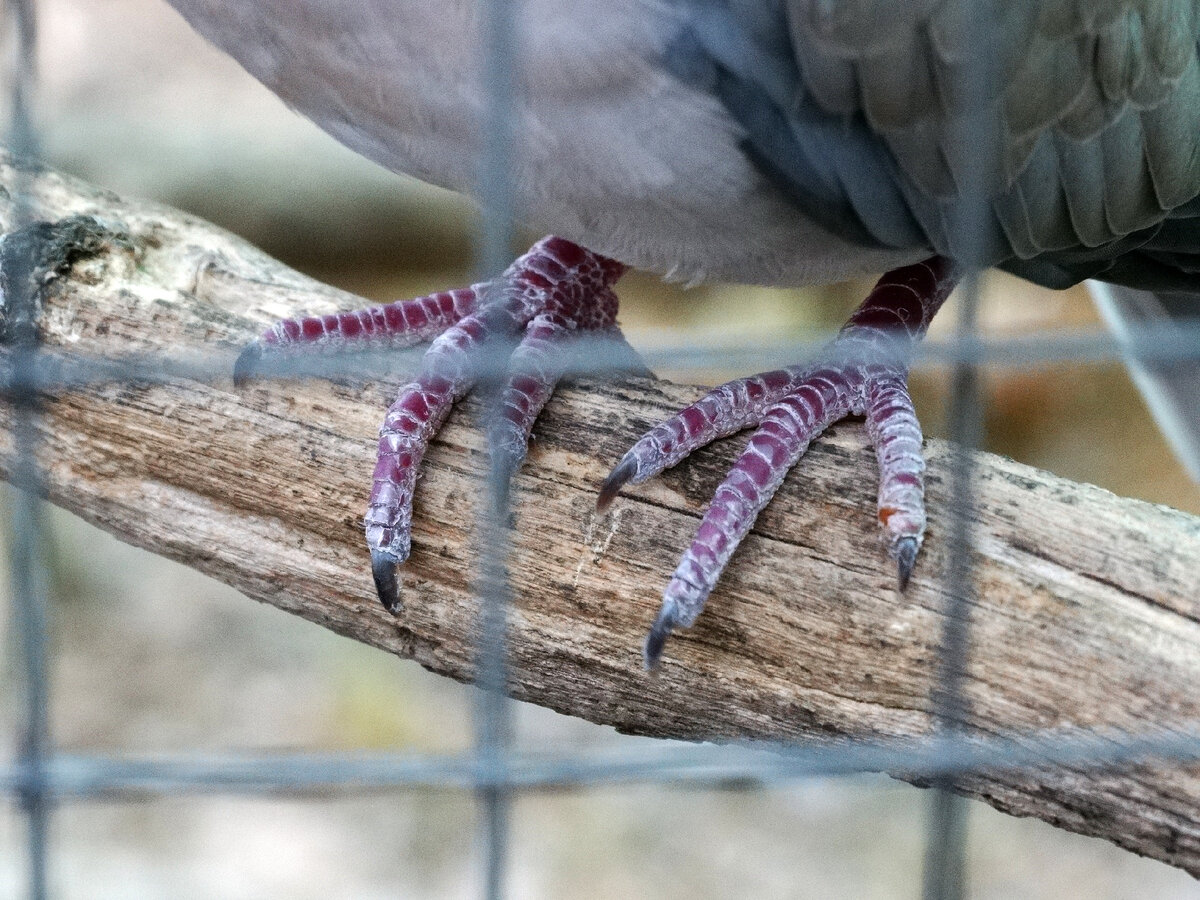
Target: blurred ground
(151, 657)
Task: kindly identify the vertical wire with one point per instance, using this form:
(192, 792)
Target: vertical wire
(945, 860)
(30, 614)
(945, 874)
(495, 191)
(493, 715)
(28, 581)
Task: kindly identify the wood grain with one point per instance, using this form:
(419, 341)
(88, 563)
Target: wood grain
(1087, 612)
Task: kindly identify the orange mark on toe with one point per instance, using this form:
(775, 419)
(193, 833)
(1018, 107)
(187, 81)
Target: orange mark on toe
(885, 513)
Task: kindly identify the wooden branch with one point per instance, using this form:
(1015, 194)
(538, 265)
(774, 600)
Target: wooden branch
(1087, 612)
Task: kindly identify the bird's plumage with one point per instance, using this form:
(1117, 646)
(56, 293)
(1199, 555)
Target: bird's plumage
(783, 141)
(1078, 122)
(614, 150)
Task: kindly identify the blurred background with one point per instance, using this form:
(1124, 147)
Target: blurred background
(151, 657)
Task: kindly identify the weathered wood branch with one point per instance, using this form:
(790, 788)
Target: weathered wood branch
(1087, 612)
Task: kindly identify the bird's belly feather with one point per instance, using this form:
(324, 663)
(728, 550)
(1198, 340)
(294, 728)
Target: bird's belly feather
(612, 150)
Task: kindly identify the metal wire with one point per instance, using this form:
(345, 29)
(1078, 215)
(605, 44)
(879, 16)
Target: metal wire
(945, 859)
(76, 777)
(24, 540)
(495, 771)
(53, 371)
(493, 715)
(945, 876)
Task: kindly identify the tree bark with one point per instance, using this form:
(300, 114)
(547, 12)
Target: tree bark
(1086, 611)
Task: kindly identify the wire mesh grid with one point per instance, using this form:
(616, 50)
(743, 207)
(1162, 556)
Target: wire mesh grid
(41, 777)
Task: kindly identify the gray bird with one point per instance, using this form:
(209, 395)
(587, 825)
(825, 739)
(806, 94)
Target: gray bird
(778, 142)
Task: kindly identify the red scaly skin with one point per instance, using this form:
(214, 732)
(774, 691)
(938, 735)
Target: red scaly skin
(558, 291)
(396, 325)
(862, 372)
(543, 302)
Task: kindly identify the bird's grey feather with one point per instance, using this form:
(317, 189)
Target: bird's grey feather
(1090, 111)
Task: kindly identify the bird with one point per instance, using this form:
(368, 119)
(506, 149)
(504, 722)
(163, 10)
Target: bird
(778, 142)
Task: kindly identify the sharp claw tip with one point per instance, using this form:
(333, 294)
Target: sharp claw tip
(656, 640)
(617, 479)
(384, 566)
(906, 557)
(246, 364)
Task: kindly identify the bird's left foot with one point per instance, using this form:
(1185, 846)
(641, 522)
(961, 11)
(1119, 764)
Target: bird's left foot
(863, 372)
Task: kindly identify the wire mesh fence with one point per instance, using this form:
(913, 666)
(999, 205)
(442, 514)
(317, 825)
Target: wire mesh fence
(495, 771)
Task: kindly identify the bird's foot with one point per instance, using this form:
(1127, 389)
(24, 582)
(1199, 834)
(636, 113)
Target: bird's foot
(863, 372)
(539, 305)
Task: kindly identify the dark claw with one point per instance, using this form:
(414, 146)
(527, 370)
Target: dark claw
(617, 479)
(657, 639)
(906, 556)
(384, 568)
(247, 364)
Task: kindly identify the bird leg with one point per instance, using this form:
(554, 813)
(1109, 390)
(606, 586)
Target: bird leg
(542, 303)
(862, 372)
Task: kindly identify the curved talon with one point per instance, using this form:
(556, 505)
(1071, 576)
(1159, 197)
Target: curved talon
(656, 640)
(384, 568)
(620, 476)
(906, 556)
(247, 364)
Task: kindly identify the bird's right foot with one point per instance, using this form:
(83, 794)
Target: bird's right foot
(542, 303)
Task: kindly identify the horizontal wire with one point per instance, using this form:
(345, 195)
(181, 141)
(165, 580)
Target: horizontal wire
(57, 370)
(71, 776)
